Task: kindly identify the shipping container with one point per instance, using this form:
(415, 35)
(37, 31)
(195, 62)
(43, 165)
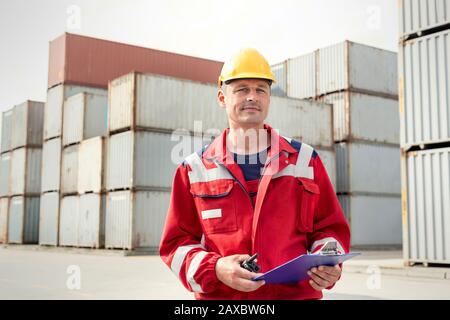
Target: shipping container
(369, 168)
(23, 220)
(68, 221)
(92, 165)
(91, 222)
(51, 165)
(69, 169)
(417, 16)
(426, 206)
(374, 220)
(358, 116)
(7, 125)
(26, 171)
(28, 125)
(85, 116)
(82, 60)
(5, 172)
(53, 114)
(49, 219)
(424, 90)
(279, 71)
(302, 76)
(328, 158)
(4, 209)
(135, 219)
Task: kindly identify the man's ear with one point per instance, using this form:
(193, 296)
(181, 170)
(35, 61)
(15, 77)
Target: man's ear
(221, 98)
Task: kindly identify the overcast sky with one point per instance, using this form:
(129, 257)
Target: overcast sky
(205, 28)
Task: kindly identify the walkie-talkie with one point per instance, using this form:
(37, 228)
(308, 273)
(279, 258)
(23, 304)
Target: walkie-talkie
(250, 264)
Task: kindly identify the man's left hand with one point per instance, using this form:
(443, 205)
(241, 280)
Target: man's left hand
(324, 276)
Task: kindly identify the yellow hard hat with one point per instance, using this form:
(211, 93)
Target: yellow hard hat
(247, 63)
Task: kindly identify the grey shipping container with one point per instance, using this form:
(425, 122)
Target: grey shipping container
(92, 165)
(68, 222)
(358, 116)
(26, 171)
(28, 124)
(416, 16)
(301, 76)
(424, 90)
(85, 116)
(368, 168)
(426, 206)
(23, 221)
(69, 169)
(91, 220)
(7, 125)
(53, 114)
(51, 165)
(135, 219)
(5, 172)
(374, 220)
(328, 158)
(4, 208)
(279, 71)
(49, 219)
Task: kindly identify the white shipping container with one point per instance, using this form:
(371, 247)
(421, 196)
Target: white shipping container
(28, 124)
(51, 165)
(279, 71)
(302, 76)
(26, 171)
(92, 165)
(374, 220)
(368, 168)
(7, 125)
(358, 116)
(53, 114)
(328, 158)
(69, 170)
(424, 90)
(416, 16)
(4, 208)
(23, 220)
(85, 116)
(135, 219)
(91, 220)
(5, 171)
(426, 206)
(68, 222)
(49, 219)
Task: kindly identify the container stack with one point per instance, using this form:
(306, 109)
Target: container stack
(21, 156)
(424, 70)
(361, 83)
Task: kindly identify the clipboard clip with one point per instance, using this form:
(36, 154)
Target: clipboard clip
(329, 249)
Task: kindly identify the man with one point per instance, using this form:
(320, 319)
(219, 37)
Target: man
(250, 191)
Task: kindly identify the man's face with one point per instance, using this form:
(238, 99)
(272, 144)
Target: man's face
(246, 102)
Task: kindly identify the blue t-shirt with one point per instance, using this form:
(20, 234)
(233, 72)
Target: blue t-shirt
(251, 164)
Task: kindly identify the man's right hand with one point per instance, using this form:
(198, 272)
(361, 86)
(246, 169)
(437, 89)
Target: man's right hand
(230, 272)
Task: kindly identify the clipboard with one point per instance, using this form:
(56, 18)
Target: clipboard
(296, 269)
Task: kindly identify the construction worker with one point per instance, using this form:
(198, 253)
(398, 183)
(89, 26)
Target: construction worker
(249, 193)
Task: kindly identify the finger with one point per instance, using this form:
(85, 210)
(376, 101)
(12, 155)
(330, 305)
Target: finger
(248, 285)
(244, 273)
(241, 257)
(334, 271)
(318, 280)
(315, 286)
(324, 275)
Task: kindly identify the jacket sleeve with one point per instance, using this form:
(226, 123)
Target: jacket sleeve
(181, 246)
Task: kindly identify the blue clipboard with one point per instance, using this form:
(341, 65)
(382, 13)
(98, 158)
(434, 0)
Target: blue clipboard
(296, 269)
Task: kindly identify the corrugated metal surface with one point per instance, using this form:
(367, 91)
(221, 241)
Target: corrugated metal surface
(374, 220)
(372, 168)
(92, 165)
(49, 219)
(83, 60)
(28, 124)
(420, 15)
(301, 76)
(68, 222)
(91, 223)
(279, 71)
(7, 125)
(328, 158)
(425, 94)
(143, 159)
(135, 219)
(26, 171)
(4, 208)
(359, 116)
(5, 171)
(85, 116)
(51, 165)
(23, 226)
(427, 221)
(53, 114)
(311, 122)
(349, 65)
(69, 170)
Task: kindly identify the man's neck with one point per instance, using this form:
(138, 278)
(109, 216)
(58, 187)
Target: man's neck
(248, 140)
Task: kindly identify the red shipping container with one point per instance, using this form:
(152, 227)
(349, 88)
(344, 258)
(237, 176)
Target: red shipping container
(81, 60)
